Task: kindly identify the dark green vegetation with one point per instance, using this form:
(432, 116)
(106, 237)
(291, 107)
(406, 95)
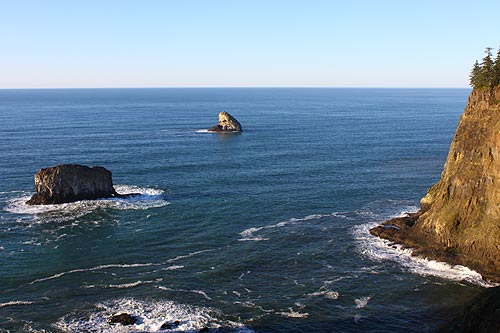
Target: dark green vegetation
(487, 73)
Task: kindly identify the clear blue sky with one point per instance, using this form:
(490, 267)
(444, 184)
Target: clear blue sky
(215, 43)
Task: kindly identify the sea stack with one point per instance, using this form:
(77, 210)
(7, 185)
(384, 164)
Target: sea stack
(459, 218)
(72, 182)
(227, 124)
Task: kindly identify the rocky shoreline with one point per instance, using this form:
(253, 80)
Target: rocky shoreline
(458, 219)
(399, 230)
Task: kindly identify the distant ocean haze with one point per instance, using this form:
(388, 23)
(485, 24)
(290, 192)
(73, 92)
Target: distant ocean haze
(264, 231)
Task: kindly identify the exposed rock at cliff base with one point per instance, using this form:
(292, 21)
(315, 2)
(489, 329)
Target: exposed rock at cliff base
(459, 219)
(72, 182)
(227, 123)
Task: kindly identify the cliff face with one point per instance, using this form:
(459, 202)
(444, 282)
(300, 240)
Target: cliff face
(459, 219)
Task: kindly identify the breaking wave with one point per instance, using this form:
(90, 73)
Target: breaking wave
(150, 318)
(148, 198)
(380, 249)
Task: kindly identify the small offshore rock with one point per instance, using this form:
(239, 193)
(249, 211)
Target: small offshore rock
(73, 182)
(123, 318)
(227, 123)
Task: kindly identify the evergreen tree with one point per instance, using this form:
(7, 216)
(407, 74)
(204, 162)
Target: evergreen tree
(475, 75)
(487, 69)
(496, 70)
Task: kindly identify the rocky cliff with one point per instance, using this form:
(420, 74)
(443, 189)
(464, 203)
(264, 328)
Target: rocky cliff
(459, 219)
(72, 182)
(227, 123)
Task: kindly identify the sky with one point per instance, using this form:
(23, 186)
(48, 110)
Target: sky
(243, 43)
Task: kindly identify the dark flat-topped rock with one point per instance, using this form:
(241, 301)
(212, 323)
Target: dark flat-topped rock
(123, 318)
(73, 182)
(227, 124)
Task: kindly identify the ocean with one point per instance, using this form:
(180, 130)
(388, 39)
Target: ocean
(263, 231)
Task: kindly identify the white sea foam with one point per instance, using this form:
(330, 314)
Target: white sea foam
(250, 233)
(203, 131)
(95, 268)
(172, 268)
(124, 285)
(379, 249)
(188, 255)
(243, 275)
(134, 265)
(14, 303)
(199, 292)
(293, 314)
(151, 316)
(330, 294)
(148, 198)
(362, 302)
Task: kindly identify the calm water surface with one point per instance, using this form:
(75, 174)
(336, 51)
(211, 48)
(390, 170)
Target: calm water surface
(265, 231)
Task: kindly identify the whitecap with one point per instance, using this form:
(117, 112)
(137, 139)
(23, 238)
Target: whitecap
(330, 294)
(325, 291)
(362, 302)
(151, 316)
(243, 275)
(379, 249)
(293, 314)
(172, 268)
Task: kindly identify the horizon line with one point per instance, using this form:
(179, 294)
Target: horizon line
(237, 87)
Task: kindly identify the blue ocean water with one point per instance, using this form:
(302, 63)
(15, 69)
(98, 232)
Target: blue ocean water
(264, 231)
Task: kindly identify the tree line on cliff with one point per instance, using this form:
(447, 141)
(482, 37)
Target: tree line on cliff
(487, 73)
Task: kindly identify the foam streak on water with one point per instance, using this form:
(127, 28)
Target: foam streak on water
(96, 268)
(13, 303)
(250, 233)
(108, 266)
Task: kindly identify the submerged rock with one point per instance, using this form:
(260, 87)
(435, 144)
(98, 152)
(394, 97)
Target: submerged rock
(227, 123)
(72, 182)
(459, 219)
(123, 318)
